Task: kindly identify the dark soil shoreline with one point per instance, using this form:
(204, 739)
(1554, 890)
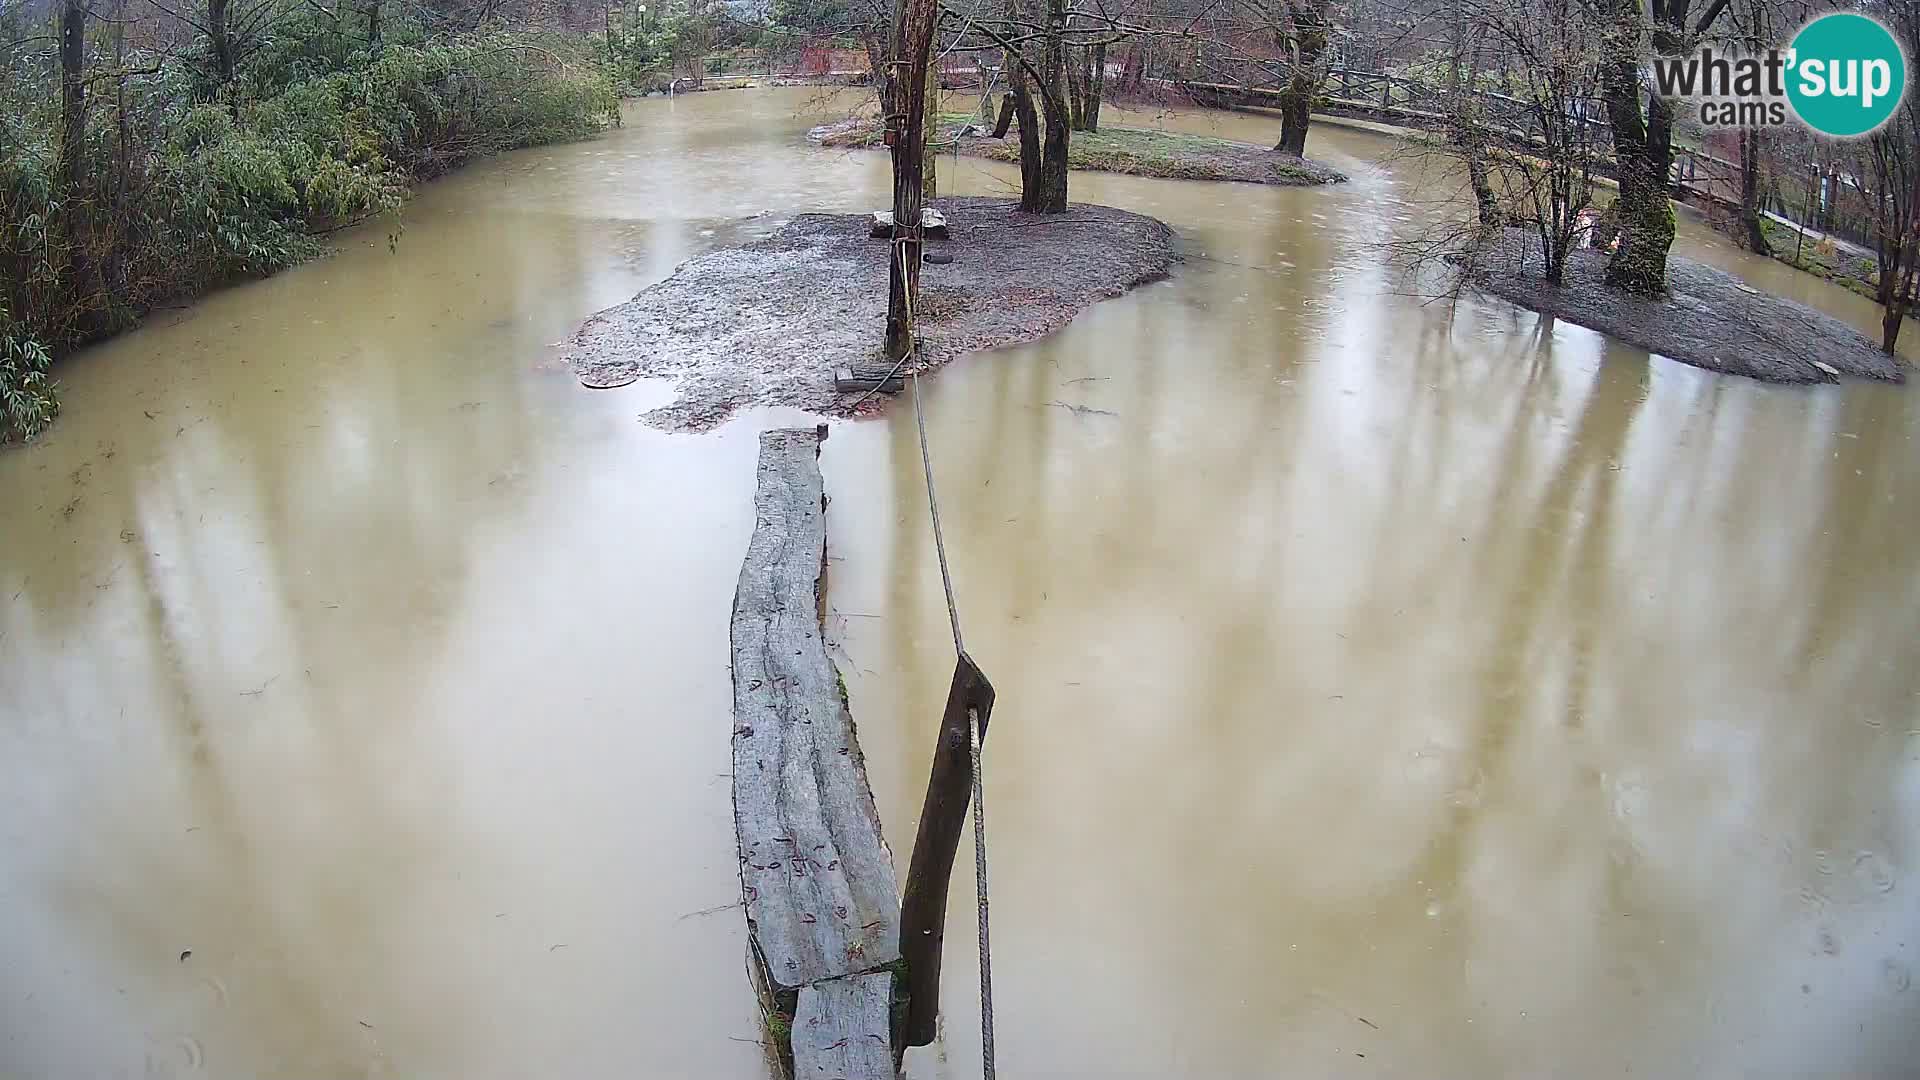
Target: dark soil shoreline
(768, 322)
(1170, 155)
(1709, 318)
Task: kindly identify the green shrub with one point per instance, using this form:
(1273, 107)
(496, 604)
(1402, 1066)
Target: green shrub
(28, 402)
(187, 186)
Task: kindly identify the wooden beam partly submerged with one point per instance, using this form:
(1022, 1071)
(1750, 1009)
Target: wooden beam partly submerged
(817, 880)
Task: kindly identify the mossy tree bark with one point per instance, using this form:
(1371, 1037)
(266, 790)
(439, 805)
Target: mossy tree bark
(1643, 140)
(1305, 39)
(1052, 197)
(1643, 153)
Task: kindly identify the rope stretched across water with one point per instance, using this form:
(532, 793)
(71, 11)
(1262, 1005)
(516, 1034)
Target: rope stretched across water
(973, 715)
(973, 750)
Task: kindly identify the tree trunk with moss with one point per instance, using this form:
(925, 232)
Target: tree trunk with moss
(1306, 40)
(1028, 117)
(1643, 139)
(1053, 107)
(1643, 153)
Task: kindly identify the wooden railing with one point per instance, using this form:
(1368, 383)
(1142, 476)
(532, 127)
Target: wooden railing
(1407, 102)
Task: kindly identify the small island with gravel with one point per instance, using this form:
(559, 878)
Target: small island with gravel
(1172, 155)
(1709, 318)
(769, 322)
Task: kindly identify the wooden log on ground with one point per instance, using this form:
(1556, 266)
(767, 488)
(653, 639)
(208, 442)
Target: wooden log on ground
(816, 877)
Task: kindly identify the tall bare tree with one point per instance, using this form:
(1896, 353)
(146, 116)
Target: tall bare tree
(1547, 74)
(1893, 157)
(905, 95)
(1302, 28)
(73, 138)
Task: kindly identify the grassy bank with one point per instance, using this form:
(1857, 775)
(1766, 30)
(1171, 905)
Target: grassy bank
(186, 181)
(1824, 259)
(1172, 155)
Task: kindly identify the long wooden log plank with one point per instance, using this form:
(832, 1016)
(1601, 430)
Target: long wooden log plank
(840, 1029)
(816, 877)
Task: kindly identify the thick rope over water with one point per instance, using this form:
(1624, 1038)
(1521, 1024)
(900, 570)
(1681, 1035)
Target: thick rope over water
(973, 747)
(973, 715)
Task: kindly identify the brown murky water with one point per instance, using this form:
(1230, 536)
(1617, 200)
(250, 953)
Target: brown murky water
(1380, 694)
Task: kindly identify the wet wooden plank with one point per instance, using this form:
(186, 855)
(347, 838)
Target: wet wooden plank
(816, 876)
(840, 1029)
(860, 380)
(923, 910)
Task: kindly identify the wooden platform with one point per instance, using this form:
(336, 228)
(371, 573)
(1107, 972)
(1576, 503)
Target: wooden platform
(857, 380)
(817, 880)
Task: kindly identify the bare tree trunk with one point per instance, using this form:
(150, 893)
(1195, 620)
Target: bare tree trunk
(906, 93)
(1896, 311)
(115, 269)
(1905, 261)
(221, 42)
(373, 26)
(929, 179)
(876, 58)
(1750, 191)
(1096, 87)
(1005, 121)
(1076, 94)
(1463, 125)
(1029, 119)
(1133, 68)
(73, 139)
(1485, 201)
(1052, 197)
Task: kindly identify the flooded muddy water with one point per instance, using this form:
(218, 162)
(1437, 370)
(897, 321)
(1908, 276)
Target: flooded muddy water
(1385, 688)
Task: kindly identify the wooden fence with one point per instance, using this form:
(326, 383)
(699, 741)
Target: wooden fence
(1396, 99)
